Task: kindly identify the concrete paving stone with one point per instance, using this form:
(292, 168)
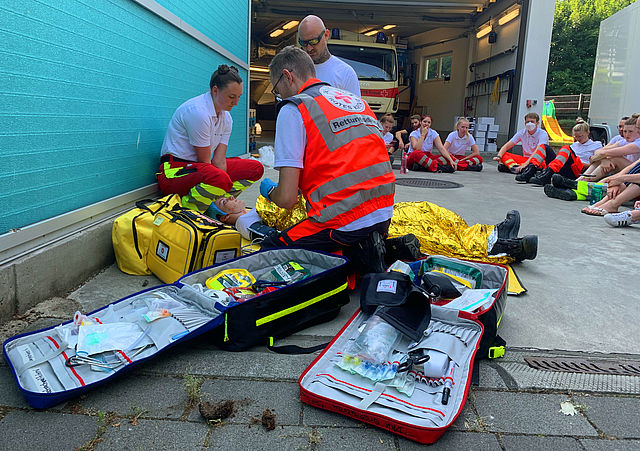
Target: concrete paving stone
(236, 437)
(153, 435)
(615, 416)
(535, 443)
(610, 445)
(10, 395)
(110, 285)
(46, 431)
(217, 363)
(454, 440)
(364, 437)
(159, 397)
(251, 398)
(467, 420)
(529, 413)
(490, 377)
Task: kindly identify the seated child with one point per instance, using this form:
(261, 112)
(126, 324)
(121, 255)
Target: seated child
(457, 144)
(536, 153)
(402, 136)
(387, 124)
(423, 140)
(620, 188)
(570, 160)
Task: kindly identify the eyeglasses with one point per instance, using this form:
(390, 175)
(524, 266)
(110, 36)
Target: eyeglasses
(275, 93)
(313, 41)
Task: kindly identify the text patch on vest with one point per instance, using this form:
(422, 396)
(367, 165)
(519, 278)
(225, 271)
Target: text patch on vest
(342, 99)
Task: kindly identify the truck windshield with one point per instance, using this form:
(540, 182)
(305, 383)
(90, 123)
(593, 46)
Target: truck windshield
(370, 63)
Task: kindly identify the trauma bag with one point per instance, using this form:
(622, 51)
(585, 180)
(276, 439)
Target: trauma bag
(416, 403)
(131, 233)
(183, 241)
(57, 363)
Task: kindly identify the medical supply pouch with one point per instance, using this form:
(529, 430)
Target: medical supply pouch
(486, 301)
(55, 364)
(183, 241)
(410, 404)
(131, 234)
(293, 306)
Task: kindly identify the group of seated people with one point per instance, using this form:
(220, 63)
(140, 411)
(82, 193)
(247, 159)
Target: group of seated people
(420, 139)
(584, 170)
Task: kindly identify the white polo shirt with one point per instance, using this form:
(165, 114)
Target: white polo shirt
(530, 142)
(459, 146)
(427, 144)
(632, 157)
(586, 150)
(338, 74)
(195, 123)
(618, 139)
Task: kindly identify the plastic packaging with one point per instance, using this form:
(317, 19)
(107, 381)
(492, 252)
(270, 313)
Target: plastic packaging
(376, 341)
(230, 278)
(595, 195)
(97, 338)
(288, 272)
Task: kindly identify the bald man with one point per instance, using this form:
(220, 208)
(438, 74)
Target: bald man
(312, 37)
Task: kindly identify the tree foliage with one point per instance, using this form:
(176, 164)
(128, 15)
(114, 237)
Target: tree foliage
(574, 42)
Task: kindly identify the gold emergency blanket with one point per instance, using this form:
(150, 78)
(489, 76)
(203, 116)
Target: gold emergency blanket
(440, 231)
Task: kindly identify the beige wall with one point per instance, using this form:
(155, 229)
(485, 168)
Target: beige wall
(443, 99)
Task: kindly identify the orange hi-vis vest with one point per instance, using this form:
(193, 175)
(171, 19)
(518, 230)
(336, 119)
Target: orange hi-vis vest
(347, 173)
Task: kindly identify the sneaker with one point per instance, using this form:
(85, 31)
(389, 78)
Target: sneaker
(510, 227)
(563, 182)
(525, 248)
(447, 168)
(560, 193)
(474, 167)
(406, 247)
(622, 219)
(542, 177)
(504, 168)
(525, 175)
(367, 256)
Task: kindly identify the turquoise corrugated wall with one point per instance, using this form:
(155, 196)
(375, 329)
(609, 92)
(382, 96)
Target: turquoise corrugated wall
(87, 89)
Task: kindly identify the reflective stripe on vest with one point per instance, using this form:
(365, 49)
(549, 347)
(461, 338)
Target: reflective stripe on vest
(347, 173)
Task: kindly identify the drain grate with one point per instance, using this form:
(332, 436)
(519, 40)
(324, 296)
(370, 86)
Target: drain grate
(586, 366)
(428, 183)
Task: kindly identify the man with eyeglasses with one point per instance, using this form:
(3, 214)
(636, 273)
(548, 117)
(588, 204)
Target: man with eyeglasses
(619, 138)
(312, 37)
(328, 146)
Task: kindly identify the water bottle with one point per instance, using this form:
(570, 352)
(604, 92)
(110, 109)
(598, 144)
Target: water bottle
(596, 194)
(403, 162)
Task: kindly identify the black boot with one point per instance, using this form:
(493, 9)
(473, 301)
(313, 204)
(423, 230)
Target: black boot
(417, 167)
(542, 177)
(474, 167)
(510, 227)
(563, 182)
(367, 256)
(445, 168)
(525, 175)
(504, 168)
(560, 193)
(525, 248)
(406, 247)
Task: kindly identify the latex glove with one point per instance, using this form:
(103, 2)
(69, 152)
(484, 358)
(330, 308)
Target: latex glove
(266, 187)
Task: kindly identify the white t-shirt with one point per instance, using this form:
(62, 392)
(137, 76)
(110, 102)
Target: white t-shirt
(338, 74)
(388, 137)
(633, 156)
(195, 123)
(618, 139)
(586, 150)
(530, 142)
(459, 146)
(290, 142)
(427, 144)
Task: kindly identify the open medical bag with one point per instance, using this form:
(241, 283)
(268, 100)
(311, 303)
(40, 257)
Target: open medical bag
(420, 398)
(55, 364)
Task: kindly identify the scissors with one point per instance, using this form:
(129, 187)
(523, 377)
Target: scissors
(414, 358)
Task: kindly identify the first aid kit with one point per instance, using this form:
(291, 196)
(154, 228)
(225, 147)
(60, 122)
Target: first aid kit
(380, 372)
(57, 363)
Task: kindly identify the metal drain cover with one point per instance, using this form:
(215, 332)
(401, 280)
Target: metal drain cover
(428, 183)
(586, 366)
